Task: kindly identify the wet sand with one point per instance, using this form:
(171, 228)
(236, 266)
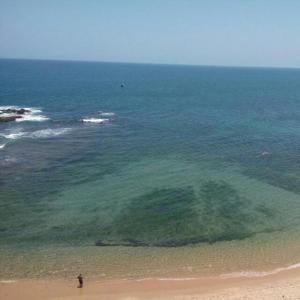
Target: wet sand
(285, 285)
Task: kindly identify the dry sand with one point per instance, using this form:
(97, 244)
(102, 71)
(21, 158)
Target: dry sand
(285, 285)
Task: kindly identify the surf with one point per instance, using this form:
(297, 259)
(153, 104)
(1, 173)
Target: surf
(42, 133)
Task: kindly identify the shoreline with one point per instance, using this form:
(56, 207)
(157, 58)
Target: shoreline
(283, 285)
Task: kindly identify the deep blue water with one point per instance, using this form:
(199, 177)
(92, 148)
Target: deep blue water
(188, 154)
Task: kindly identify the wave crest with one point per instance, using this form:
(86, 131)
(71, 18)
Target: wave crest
(106, 114)
(43, 133)
(32, 118)
(259, 274)
(95, 120)
(47, 133)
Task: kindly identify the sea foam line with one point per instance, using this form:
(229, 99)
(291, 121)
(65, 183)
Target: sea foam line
(248, 274)
(106, 114)
(168, 279)
(8, 281)
(95, 120)
(32, 118)
(259, 274)
(46, 133)
(32, 109)
(43, 133)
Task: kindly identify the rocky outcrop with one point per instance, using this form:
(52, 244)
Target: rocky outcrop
(11, 114)
(19, 111)
(9, 118)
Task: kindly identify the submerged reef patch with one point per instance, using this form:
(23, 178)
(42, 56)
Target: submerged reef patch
(275, 178)
(173, 217)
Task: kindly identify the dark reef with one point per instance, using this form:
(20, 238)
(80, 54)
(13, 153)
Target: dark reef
(174, 217)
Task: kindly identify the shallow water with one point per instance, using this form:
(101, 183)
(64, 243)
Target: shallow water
(197, 165)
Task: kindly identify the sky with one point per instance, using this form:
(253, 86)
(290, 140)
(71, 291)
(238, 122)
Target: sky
(197, 32)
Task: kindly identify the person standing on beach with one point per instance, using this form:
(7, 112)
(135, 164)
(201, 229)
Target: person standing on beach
(80, 279)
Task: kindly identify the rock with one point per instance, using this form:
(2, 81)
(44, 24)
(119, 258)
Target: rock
(11, 114)
(20, 111)
(9, 118)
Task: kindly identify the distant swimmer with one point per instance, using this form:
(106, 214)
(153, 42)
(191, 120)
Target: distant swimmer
(80, 279)
(122, 85)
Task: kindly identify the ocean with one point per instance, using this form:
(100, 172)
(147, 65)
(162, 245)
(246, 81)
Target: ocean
(137, 171)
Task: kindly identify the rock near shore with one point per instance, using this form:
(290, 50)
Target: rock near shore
(19, 111)
(11, 114)
(9, 118)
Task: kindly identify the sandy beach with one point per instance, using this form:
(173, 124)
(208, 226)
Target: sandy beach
(285, 285)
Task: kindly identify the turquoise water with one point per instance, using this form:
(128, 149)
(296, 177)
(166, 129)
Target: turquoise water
(186, 156)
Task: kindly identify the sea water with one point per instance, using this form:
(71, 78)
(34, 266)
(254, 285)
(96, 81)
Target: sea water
(148, 170)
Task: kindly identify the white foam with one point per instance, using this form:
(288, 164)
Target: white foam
(177, 279)
(167, 279)
(43, 133)
(34, 110)
(32, 114)
(95, 120)
(259, 274)
(47, 133)
(14, 135)
(107, 114)
(9, 107)
(7, 115)
(2, 146)
(248, 274)
(8, 281)
(32, 118)
(16, 107)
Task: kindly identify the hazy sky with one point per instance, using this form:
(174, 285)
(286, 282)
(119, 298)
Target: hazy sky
(205, 32)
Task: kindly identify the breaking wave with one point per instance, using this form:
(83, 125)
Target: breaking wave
(33, 118)
(104, 118)
(259, 274)
(107, 114)
(31, 114)
(43, 133)
(95, 120)
(47, 133)
(14, 135)
(248, 274)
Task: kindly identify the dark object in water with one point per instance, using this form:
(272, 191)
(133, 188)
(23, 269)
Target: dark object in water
(128, 242)
(122, 85)
(176, 217)
(15, 111)
(80, 279)
(9, 118)
(20, 111)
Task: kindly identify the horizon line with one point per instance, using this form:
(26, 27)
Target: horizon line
(149, 63)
